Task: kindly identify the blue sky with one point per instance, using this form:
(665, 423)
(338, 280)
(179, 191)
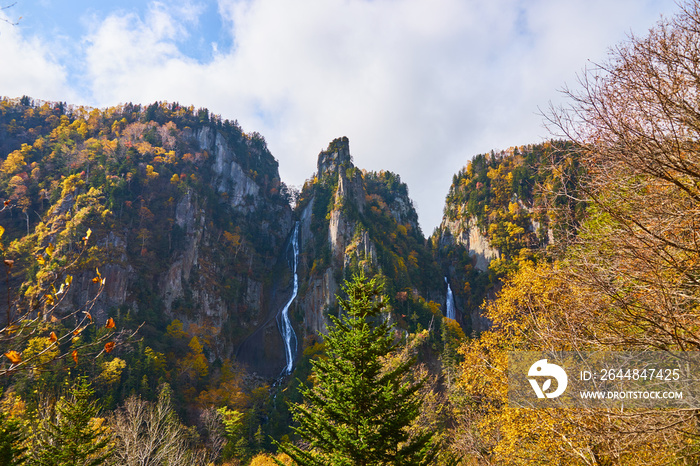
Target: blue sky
(419, 86)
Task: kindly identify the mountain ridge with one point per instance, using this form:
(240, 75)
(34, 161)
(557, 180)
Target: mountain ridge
(193, 221)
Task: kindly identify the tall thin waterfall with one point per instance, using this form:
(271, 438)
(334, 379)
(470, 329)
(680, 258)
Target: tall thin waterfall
(450, 304)
(285, 325)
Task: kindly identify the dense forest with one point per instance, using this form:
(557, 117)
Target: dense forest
(149, 250)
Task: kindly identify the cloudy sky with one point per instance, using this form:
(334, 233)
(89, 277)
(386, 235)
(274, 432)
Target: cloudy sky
(419, 86)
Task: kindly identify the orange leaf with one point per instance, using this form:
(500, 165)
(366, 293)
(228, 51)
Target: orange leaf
(54, 319)
(74, 354)
(109, 346)
(78, 330)
(14, 357)
(87, 314)
(110, 323)
(96, 280)
(53, 337)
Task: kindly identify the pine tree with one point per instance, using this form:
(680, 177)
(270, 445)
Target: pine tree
(359, 409)
(74, 438)
(12, 453)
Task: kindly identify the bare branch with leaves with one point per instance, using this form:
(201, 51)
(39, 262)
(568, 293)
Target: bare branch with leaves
(33, 338)
(8, 21)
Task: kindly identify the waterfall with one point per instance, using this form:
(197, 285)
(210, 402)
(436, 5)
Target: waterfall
(285, 325)
(450, 304)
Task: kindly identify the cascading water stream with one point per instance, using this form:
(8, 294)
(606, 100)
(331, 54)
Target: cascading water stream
(285, 325)
(450, 304)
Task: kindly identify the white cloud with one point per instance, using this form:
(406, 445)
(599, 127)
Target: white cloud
(29, 67)
(419, 87)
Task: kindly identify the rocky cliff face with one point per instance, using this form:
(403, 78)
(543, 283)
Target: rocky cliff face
(333, 166)
(350, 194)
(318, 299)
(242, 191)
(350, 221)
(173, 246)
(468, 235)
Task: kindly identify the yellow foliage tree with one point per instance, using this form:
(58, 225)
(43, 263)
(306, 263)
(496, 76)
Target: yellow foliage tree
(267, 460)
(14, 163)
(542, 309)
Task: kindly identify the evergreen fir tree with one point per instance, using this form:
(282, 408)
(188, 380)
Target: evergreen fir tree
(360, 408)
(73, 438)
(11, 449)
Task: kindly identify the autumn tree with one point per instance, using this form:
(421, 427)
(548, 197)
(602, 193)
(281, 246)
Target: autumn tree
(637, 120)
(360, 407)
(544, 308)
(267, 460)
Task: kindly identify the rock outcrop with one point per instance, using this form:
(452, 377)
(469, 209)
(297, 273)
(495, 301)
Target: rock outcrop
(318, 299)
(241, 190)
(470, 236)
(345, 215)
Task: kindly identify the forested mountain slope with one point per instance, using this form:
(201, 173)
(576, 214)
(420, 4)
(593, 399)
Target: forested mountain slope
(502, 209)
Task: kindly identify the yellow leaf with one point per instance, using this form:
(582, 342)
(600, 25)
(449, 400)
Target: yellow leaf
(49, 250)
(87, 235)
(14, 357)
(49, 300)
(40, 259)
(2, 231)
